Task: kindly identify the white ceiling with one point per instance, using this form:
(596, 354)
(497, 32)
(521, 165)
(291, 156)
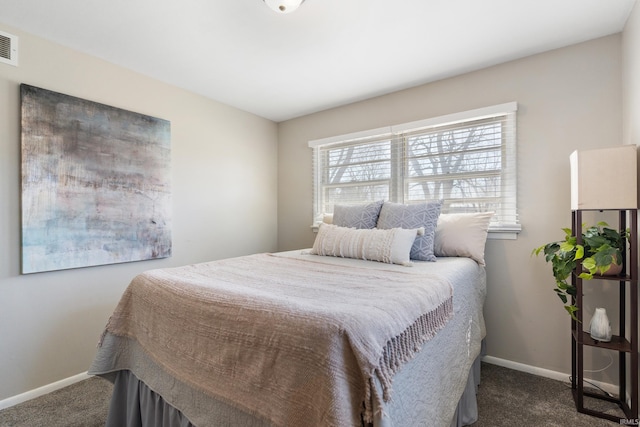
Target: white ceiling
(325, 54)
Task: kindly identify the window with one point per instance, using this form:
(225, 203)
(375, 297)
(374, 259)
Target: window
(466, 159)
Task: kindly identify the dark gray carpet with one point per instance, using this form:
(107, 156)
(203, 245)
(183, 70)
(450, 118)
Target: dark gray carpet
(505, 398)
(83, 404)
(512, 398)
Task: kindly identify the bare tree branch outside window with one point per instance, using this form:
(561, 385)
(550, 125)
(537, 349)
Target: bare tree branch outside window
(461, 166)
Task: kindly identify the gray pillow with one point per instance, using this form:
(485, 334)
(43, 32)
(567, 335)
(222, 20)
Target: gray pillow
(357, 216)
(394, 215)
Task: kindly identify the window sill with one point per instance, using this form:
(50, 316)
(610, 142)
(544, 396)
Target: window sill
(504, 232)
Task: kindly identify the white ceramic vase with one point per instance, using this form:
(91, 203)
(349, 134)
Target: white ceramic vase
(600, 327)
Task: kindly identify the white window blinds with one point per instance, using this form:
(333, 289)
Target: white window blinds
(466, 159)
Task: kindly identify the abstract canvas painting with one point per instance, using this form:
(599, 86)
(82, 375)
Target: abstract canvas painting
(96, 183)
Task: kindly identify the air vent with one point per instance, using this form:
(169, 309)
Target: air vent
(8, 48)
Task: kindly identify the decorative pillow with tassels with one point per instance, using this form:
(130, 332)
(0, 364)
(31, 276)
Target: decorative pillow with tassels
(392, 246)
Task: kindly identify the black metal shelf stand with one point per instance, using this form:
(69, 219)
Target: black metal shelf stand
(625, 342)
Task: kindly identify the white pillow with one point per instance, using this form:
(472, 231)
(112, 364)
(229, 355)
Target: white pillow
(391, 246)
(462, 235)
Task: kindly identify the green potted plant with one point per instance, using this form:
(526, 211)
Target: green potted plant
(600, 252)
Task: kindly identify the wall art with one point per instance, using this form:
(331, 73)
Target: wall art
(96, 183)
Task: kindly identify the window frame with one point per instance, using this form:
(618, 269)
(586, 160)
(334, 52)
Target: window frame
(508, 171)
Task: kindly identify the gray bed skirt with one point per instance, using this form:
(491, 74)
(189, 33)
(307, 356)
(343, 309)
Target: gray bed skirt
(133, 404)
(467, 410)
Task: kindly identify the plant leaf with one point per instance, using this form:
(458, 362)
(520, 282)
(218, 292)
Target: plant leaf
(590, 264)
(567, 246)
(571, 309)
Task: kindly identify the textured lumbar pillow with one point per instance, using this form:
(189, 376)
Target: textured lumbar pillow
(357, 216)
(390, 246)
(462, 235)
(424, 215)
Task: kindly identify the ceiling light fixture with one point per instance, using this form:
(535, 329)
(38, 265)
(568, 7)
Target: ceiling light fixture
(284, 6)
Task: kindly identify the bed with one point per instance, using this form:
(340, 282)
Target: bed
(299, 338)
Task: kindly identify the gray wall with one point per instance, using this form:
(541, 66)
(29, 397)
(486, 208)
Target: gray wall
(568, 98)
(50, 322)
(631, 78)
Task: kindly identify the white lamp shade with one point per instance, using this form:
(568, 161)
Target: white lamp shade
(604, 178)
(283, 6)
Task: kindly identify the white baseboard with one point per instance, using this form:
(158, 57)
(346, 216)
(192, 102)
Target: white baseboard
(554, 375)
(41, 391)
